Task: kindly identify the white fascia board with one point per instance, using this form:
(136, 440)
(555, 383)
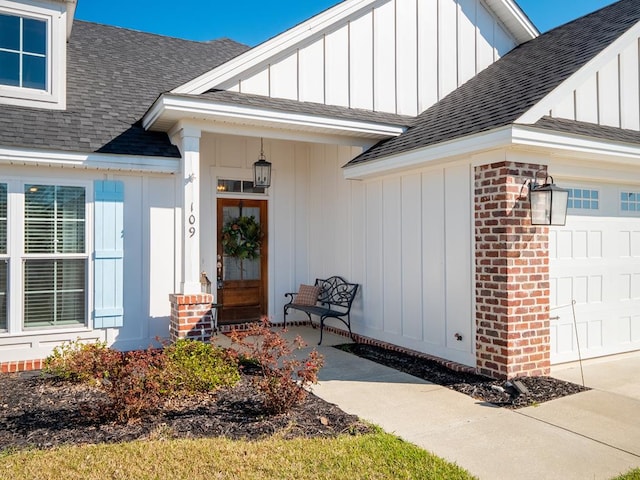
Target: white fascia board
(71, 12)
(421, 157)
(274, 46)
(89, 161)
(588, 147)
(198, 107)
(544, 106)
(236, 129)
(520, 25)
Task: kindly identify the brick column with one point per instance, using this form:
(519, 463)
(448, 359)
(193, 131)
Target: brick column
(512, 275)
(191, 317)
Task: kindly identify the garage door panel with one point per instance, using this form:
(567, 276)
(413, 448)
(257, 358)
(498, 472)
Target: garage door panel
(595, 261)
(584, 289)
(635, 329)
(629, 244)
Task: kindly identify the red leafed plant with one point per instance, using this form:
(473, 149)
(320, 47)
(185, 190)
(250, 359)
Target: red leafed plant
(283, 378)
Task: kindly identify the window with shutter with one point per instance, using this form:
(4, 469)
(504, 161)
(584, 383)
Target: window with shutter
(55, 260)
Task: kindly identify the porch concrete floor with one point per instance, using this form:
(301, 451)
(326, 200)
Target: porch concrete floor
(591, 435)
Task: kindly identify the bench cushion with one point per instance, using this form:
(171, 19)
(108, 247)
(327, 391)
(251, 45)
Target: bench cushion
(307, 295)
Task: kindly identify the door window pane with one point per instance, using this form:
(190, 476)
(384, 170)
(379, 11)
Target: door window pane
(241, 268)
(54, 292)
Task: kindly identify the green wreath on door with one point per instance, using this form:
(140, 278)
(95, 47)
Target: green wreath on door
(242, 238)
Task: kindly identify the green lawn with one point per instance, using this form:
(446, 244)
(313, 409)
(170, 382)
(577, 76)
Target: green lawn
(632, 475)
(373, 456)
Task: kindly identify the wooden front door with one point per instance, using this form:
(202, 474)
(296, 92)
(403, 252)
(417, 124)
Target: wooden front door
(242, 260)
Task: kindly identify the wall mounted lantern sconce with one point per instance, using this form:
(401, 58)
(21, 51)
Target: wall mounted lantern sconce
(548, 202)
(262, 170)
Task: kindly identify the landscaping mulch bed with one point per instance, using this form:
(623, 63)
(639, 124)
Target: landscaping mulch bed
(41, 412)
(496, 392)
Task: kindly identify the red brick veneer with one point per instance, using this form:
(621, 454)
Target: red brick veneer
(512, 275)
(191, 317)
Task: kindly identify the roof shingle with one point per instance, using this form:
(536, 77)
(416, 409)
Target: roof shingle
(113, 76)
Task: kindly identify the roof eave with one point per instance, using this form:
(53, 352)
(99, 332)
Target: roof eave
(530, 137)
(429, 155)
(169, 109)
(570, 144)
(519, 23)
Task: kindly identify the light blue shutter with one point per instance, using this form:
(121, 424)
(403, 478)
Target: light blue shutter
(108, 258)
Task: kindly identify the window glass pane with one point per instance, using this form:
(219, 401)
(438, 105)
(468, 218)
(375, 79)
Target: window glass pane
(54, 219)
(3, 294)
(70, 220)
(9, 69)
(34, 72)
(247, 187)
(35, 36)
(229, 186)
(10, 32)
(39, 211)
(3, 219)
(54, 292)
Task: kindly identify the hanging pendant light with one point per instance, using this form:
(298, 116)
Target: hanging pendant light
(262, 170)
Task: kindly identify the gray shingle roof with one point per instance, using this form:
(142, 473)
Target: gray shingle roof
(114, 75)
(589, 130)
(503, 92)
(294, 106)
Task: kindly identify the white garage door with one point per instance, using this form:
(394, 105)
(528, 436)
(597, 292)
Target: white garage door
(595, 261)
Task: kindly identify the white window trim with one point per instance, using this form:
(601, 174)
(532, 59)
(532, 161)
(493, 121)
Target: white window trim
(628, 213)
(54, 97)
(582, 210)
(16, 256)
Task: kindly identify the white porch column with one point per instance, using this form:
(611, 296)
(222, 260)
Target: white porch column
(189, 145)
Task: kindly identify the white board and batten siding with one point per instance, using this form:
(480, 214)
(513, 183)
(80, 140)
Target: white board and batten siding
(405, 239)
(417, 284)
(610, 97)
(595, 261)
(400, 56)
(143, 248)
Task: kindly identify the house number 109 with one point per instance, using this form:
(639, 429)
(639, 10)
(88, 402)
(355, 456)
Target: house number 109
(192, 222)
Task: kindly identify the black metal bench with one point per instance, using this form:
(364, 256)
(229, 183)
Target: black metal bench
(334, 301)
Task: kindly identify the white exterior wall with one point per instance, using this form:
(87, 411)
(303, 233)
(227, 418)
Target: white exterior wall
(149, 271)
(407, 240)
(610, 97)
(401, 56)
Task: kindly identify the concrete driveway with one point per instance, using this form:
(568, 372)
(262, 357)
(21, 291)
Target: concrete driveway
(592, 435)
(618, 374)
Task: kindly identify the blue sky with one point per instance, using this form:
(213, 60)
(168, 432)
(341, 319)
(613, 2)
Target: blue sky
(253, 21)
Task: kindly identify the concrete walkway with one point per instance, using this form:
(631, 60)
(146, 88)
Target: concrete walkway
(592, 435)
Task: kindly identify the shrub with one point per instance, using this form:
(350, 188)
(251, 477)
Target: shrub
(77, 361)
(199, 367)
(134, 383)
(138, 382)
(283, 378)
